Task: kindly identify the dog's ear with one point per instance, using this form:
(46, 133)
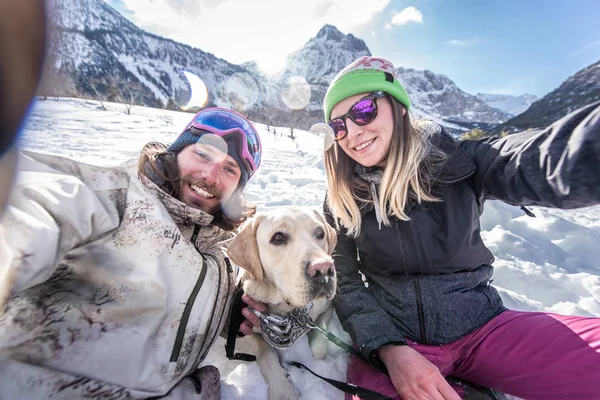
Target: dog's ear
(243, 249)
(330, 233)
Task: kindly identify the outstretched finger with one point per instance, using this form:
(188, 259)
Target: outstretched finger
(251, 318)
(257, 305)
(246, 328)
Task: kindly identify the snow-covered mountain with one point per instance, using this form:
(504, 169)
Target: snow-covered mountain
(512, 105)
(95, 52)
(436, 95)
(578, 90)
(323, 56)
(306, 76)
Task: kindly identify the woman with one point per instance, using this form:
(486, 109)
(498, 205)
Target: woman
(406, 198)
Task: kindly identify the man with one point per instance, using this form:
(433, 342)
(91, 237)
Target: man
(114, 281)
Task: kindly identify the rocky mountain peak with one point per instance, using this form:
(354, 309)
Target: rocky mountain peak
(98, 53)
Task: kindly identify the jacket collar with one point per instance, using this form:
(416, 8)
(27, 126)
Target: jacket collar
(458, 165)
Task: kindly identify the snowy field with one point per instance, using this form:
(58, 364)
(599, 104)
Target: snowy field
(549, 263)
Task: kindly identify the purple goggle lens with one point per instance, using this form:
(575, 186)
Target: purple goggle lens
(223, 122)
(363, 112)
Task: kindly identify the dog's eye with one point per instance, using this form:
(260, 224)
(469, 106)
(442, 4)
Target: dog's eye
(279, 238)
(319, 233)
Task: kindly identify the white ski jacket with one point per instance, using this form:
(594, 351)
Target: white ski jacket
(109, 287)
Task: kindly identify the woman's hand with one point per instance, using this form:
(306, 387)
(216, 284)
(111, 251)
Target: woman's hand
(251, 320)
(413, 376)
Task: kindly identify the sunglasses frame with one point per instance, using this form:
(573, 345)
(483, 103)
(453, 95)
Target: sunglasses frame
(371, 96)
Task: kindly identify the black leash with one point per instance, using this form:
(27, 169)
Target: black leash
(234, 326)
(233, 333)
(337, 341)
(366, 394)
(345, 387)
(527, 211)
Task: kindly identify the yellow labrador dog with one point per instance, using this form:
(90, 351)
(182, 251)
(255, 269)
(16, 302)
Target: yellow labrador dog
(286, 258)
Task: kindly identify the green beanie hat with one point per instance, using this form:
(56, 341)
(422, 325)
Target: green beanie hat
(365, 75)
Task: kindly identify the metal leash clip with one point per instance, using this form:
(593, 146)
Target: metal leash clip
(283, 332)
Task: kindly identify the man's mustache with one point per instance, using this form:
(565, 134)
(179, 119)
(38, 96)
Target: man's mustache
(212, 189)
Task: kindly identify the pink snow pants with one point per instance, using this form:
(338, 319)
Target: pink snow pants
(531, 355)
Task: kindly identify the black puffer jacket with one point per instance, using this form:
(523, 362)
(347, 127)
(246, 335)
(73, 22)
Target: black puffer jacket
(429, 277)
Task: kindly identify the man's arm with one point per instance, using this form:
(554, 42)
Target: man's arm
(48, 214)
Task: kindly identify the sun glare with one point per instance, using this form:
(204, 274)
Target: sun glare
(198, 95)
(271, 64)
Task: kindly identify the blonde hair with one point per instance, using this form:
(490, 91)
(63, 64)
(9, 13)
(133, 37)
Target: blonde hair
(409, 173)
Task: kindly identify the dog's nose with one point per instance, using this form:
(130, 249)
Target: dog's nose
(320, 270)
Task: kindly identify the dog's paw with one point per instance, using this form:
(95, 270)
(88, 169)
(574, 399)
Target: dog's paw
(318, 347)
(319, 350)
(283, 391)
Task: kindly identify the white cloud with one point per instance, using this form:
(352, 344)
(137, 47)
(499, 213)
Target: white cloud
(409, 14)
(464, 42)
(241, 30)
(388, 26)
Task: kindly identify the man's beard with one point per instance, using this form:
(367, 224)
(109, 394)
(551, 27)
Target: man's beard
(211, 206)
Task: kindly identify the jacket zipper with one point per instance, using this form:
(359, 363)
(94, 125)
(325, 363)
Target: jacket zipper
(408, 241)
(214, 309)
(420, 311)
(190, 302)
(402, 258)
(186, 313)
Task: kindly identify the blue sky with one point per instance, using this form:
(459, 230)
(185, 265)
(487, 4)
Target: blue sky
(509, 46)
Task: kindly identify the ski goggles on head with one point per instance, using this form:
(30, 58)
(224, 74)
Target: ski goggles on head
(363, 112)
(223, 122)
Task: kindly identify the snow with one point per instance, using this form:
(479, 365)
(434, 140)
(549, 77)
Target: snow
(513, 105)
(134, 66)
(547, 263)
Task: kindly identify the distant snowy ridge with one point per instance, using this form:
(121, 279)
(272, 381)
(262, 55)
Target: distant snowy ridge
(579, 90)
(437, 95)
(97, 53)
(512, 105)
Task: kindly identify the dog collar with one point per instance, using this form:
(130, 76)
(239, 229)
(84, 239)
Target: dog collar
(283, 332)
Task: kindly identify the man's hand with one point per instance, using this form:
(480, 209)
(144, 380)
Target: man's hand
(251, 320)
(413, 376)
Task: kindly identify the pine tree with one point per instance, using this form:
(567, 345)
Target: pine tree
(473, 134)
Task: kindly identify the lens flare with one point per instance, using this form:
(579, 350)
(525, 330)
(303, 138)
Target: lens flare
(240, 92)
(324, 130)
(212, 146)
(194, 95)
(296, 93)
